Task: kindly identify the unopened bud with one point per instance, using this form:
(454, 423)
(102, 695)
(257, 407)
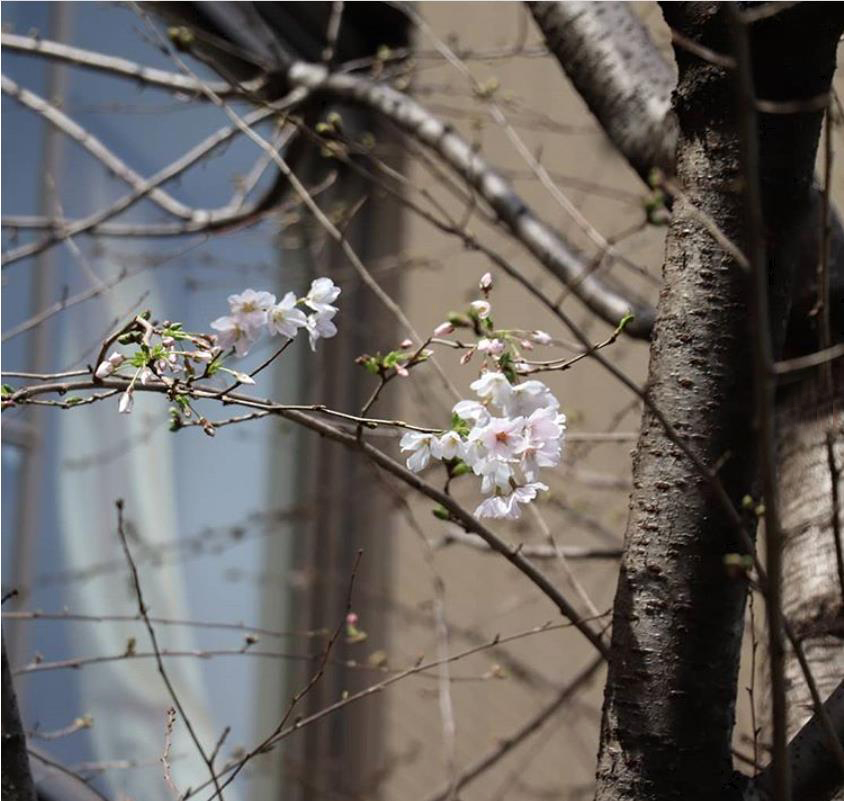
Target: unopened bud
(481, 308)
(126, 403)
(486, 282)
(444, 329)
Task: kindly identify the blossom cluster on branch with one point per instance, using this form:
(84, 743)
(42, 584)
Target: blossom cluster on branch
(506, 436)
(170, 354)
(251, 313)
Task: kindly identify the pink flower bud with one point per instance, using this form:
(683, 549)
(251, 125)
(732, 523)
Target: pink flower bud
(406, 343)
(351, 619)
(526, 344)
(104, 370)
(541, 337)
(486, 282)
(494, 347)
(402, 371)
(443, 329)
(464, 359)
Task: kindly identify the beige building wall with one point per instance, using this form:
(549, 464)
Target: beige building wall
(485, 596)
(588, 500)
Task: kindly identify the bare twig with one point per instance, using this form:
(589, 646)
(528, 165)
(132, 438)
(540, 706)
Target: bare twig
(506, 744)
(420, 667)
(142, 610)
(121, 67)
(764, 387)
(94, 146)
(835, 479)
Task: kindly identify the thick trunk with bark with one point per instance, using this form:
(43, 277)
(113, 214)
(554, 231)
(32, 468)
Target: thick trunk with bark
(678, 615)
(811, 456)
(611, 60)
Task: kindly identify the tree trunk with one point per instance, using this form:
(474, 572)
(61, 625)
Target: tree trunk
(813, 573)
(16, 776)
(611, 60)
(678, 616)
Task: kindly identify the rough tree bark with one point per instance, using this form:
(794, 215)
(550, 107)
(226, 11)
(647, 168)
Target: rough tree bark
(811, 455)
(16, 776)
(610, 58)
(678, 617)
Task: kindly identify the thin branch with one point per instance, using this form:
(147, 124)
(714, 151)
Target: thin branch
(516, 738)
(332, 33)
(317, 212)
(420, 667)
(121, 67)
(195, 154)
(299, 414)
(810, 360)
(58, 766)
(539, 238)
(535, 551)
(835, 512)
(312, 682)
(764, 388)
(94, 146)
(142, 610)
(161, 621)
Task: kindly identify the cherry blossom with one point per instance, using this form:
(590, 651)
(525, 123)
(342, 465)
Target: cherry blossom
(471, 410)
(506, 438)
(448, 446)
(319, 326)
(493, 386)
(234, 334)
(321, 294)
(501, 437)
(250, 307)
(507, 507)
(285, 319)
(420, 444)
(527, 397)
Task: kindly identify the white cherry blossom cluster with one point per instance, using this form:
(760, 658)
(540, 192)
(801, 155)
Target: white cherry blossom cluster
(252, 313)
(506, 437)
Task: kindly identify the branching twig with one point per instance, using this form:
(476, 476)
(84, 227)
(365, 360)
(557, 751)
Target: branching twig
(121, 67)
(142, 610)
(516, 738)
